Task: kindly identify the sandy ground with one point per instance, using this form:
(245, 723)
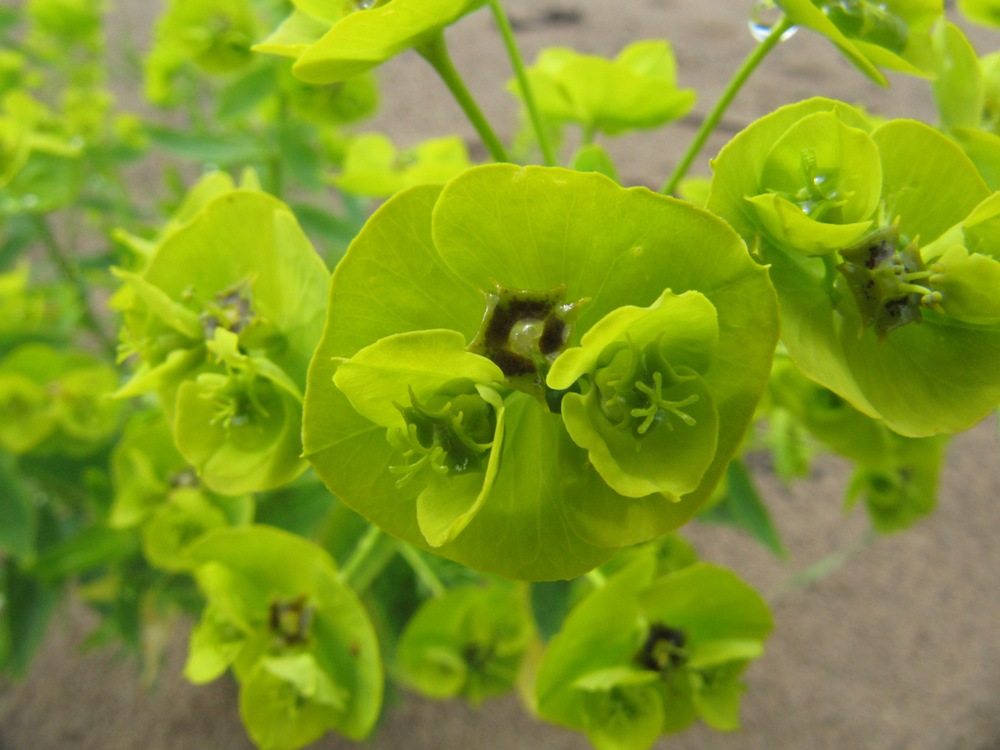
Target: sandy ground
(898, 650)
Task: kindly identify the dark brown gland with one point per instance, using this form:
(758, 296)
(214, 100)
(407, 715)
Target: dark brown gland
(522, 333)
(664, 649)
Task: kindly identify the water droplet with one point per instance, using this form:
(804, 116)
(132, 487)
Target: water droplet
(365, 4)
(764, 15)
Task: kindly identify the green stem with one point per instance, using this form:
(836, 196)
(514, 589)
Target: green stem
(422, 570)
(755, 58)
(517, 62)
(72, 274)
(822, 568)
(436, 53)
(373, 552)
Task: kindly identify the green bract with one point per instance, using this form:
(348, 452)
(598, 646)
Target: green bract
(981, 11)
(896, 476)
(157, 489)
(298, 641)
(636, 90)
(891, 34)
(967, 92)
(333, 41)
(374, 167)
(470, 643)
(902, 320)
(647, 655)
(428, 409)
(214, 35)
(224, 319)
(56, 401)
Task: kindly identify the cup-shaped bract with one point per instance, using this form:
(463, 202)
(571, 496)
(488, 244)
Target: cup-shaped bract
(647, 655)
(644, 416)
(298, 640)
(873, 34)
(454, 304)
(902, 322)
(224, 319)
(468, 643)
(637, 90)
(336, 40)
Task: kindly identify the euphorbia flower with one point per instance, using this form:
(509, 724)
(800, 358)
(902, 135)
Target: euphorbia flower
(213, 35)
(646, 655)
(896, 477)
(224, 319)
(374, 167)
(56, 401)
(448, 401)
(467, 643)
(902, 320)
(157, 490)
(298, 640)
(636, 90)
(333, 41)
(892, 34)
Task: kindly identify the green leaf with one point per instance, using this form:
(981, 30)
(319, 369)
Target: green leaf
(743, 508)
(357, 41)
(27, 607)
(220, 150)
(18, 521)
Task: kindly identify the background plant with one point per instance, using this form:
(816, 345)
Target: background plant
(86, 534)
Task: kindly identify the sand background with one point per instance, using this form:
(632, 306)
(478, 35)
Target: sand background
(897, 650)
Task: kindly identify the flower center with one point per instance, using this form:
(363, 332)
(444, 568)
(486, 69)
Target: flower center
(523, 332)
(664, 649)
(890, 285)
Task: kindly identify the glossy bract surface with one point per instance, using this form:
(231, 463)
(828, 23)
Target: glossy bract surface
(532, 367)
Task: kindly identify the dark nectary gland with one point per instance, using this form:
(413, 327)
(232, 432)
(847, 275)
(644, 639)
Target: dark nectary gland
(663, 649)
(505, 316)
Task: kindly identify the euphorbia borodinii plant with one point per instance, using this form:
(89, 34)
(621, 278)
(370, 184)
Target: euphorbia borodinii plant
(529, 368)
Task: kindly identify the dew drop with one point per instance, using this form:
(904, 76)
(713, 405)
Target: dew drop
(764, 15)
